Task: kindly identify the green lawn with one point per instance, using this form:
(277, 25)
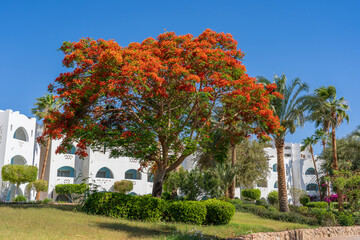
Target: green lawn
(60, 222)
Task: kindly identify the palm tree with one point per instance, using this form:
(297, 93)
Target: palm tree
(43, 106)
(321, 135)
(329, 111)
(290, 112)
(308, 143)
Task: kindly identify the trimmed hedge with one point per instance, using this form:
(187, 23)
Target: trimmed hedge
(253, 194)
(317, 205)
(219, 212)
(187, 212)
(151, 209)
(125, 206)
(304, 200)
(273, 197)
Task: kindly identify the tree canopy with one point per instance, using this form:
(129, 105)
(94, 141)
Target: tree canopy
(156, 100)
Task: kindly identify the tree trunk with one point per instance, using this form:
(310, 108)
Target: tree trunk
(336, 167)
(316, 172)
(283, 201)
(44, 165)
(158, 181)
(233, 160)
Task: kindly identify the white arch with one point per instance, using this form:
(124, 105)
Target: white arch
(18, 160)
(21, 134)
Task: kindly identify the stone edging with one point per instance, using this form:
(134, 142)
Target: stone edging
(304, 234)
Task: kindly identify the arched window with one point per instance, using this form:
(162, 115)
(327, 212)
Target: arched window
(310, 171)
(276, 185)
(150, 177)
(132, 193)
(21, 134)
(262, 183)
(311, 187)
(104, 173)
(18, 160)
(71, 151)
(275, 167)
(132, 174)
(66, 172)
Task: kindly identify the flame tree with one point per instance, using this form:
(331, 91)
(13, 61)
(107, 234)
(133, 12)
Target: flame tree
(156, 100)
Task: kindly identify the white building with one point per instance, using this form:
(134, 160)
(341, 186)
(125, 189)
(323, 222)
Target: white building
(18, 146)
(299, 170)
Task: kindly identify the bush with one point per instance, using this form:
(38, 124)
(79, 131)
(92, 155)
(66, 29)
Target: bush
(262, 202)
(219, 212)
(324, 217)
(345, 219)
(70, 189)
(251, 194)
(303, 210)
(237, 203)
(187, 212)
(20, 198)
(304, 200)
(166, 196)
(317, 204)
(346, 205)
(125, 206)
(276, 215)
(273, 197)
(47, 200)
(123, 186)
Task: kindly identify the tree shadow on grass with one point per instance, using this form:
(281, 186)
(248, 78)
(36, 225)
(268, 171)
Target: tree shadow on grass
(64, 207)
(139, 232)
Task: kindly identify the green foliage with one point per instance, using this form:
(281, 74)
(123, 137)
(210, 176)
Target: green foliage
(187, 211)
(273, 197)
(324, 217)
(147, 208)
(166, 196)
(117, 205)
(261, 201)
(251, 194)
(195, 183)
(317, 204)
(251, 158)
(304, 200)
(71, 190)
(20, 198)
(349, 183)
(38, 185)
(18, 174)
(345, 219)
(47, 200)
(237, 203)
(123, 186)
(303, 210)
(219, 212)
(272, 213)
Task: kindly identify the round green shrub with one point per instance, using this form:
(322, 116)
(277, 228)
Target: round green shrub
(219, 212)
(273, 197)
(303, 210)
(187, 212)
(20, 198)
(317, 204)
(47, 200)
(251, 194)
(304, 200)
(237, 203)
(262, 202)
(123, 186)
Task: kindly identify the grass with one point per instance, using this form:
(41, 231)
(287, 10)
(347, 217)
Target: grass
(61, 222)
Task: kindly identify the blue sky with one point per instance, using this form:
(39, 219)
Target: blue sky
(317, 41)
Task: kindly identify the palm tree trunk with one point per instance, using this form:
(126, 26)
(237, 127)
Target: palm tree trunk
(233, 160)
(283, 201)
(44, 165)
(316, 172)
(336, 167)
